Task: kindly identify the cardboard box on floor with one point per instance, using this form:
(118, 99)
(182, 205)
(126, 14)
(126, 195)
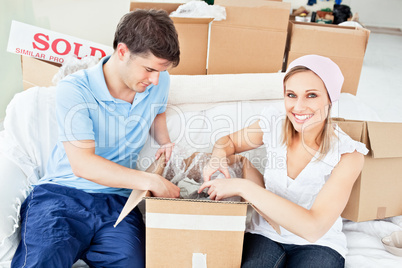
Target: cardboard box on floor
(190, 233)
(377, 193)
(346, 46)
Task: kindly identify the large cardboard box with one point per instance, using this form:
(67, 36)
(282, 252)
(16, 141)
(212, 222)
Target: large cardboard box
(178, 231)
(346, 46)
(252, 38)
(377, 193)
(190, 233)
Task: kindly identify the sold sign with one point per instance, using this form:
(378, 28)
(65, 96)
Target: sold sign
(48, 45)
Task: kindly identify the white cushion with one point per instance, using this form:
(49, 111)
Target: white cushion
(191, 89)
(14, 189)
(29, 134)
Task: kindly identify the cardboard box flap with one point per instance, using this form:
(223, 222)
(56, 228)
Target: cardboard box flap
(195, 200)
(255, 14)
(385, 139)
(177, 20)
(194, 206)
(137, 195)
(355, 129)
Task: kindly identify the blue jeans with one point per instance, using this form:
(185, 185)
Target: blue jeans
(260, 251)
(61, 225)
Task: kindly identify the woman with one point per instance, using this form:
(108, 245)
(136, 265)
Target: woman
(312, 166)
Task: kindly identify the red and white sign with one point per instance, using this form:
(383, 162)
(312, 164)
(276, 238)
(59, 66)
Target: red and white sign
(48, 45)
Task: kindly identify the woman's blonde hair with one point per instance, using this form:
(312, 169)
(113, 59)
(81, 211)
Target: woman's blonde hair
(327, 135)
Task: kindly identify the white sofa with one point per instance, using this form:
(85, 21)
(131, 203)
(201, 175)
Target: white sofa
(201, 109)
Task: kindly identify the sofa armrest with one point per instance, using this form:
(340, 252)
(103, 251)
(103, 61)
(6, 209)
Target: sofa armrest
(13, 191)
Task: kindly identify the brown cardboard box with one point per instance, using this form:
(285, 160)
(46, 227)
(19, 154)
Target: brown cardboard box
(252, 38)
(377, 193)
(193, 39)
(179, 231)
(37, 72)
(346, 46)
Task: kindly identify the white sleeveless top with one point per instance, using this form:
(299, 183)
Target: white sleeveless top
(305, 187)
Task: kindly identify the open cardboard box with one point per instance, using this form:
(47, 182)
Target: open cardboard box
(377, 193)
(185, 232)
(346, 46)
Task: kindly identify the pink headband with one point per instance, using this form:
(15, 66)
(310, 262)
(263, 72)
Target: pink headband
(326, 69)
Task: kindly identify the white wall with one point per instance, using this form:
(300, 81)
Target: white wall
(384, 13)
(10, 68)
(320, 4)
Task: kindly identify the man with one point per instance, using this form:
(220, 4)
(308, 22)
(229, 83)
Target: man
(104, 115)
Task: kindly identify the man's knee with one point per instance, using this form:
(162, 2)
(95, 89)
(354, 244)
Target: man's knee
(121, 257)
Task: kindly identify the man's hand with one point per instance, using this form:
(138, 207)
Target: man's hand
(165, 149)
(161, 187)
(215, 164)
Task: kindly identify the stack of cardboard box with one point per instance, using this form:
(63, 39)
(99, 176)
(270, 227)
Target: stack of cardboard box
(256, 37)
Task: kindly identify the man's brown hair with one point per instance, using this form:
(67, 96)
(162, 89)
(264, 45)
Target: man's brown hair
(149, 31)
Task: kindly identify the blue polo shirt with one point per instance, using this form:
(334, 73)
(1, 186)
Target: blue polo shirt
(86, 111)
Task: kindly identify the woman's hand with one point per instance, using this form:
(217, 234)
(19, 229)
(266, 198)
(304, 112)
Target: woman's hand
(216, 164)
(165, 149)
(223, 188)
